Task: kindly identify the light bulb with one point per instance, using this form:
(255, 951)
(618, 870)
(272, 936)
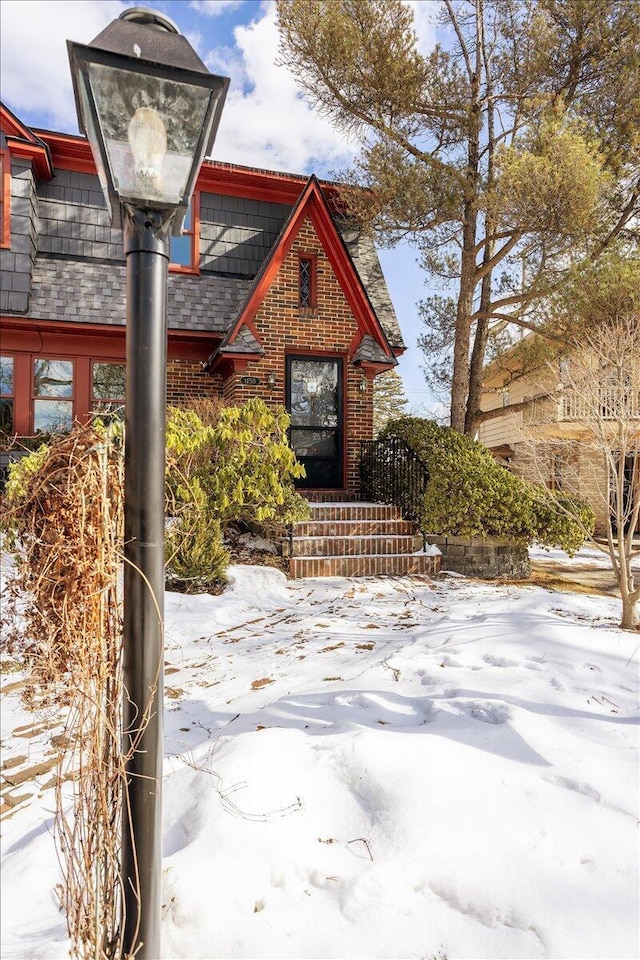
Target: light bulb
(148, 140)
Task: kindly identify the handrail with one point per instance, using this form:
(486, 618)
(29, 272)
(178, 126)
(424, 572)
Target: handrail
(392, 472)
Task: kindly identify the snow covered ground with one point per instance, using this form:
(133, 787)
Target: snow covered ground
(386, 768)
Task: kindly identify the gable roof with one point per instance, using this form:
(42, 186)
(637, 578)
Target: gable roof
(313, 205)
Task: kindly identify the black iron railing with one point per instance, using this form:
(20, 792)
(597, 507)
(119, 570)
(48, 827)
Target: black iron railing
(392, 472)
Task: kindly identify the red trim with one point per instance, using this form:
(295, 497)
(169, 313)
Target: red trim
(13, 127)
(37, 154)
(193, 269)
(229, 363)
(74, 153)
(371, 369)
(269, 185)
(5, 191)
(100, 341)
(69, 152)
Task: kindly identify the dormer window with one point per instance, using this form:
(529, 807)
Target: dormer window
(307, 281)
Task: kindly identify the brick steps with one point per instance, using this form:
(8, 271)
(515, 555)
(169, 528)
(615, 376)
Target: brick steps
(353, 528)
(357, 540)
(336, 546)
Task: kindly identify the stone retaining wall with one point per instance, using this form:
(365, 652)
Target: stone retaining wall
(486, 559)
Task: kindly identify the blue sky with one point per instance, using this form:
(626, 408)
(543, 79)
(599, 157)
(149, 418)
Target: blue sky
(265, 123)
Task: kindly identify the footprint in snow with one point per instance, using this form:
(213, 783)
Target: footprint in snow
(495, 661)
(487, 711)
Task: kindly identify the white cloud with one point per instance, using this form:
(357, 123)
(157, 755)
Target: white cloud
(212, 8)
(424, 16)
(266, 122)
(35, 77)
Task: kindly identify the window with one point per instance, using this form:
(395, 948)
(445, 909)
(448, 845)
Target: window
(52, 395)
(5, 199)
(184, 249)
(307, 282)
(7, 394)
(107, 389)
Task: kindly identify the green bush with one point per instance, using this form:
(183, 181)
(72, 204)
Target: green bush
(470, 495)
(252, 468)
(196, 560)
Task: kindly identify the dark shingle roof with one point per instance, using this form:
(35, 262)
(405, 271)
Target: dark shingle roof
(94, 292)
(244, 342)
(372, 352)
(365, 259)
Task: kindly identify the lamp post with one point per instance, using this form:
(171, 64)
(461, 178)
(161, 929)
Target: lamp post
(150, 110)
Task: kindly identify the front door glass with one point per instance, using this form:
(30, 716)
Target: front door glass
(315, 405)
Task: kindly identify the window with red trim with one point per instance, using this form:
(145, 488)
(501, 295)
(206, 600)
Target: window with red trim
(5, 199)
(7, 394)
(107, 388)
(52, 395)
(185, 249)
(307, 281)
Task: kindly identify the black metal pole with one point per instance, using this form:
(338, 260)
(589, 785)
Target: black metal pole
(146, 244)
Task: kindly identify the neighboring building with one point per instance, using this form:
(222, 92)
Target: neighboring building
(272, 294)
(543, 429)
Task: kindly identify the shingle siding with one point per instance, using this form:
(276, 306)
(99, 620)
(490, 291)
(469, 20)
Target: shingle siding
(16, 263)
(237, 234)
(366, 261)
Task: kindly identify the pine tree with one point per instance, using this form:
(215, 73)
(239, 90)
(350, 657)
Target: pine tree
(505, 156)
(389, 400)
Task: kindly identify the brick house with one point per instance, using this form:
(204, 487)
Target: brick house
(272, 294)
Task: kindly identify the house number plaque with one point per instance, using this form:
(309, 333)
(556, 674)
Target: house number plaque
(251, 381)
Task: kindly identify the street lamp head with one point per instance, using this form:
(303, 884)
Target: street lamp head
(150, 110)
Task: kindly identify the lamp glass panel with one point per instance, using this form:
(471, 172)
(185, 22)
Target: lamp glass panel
(151, 128)
(90, 130)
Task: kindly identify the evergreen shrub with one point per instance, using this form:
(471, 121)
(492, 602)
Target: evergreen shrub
(470, 495)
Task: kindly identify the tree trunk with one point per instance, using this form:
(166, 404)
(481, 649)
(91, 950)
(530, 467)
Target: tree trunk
(464, 312)
(482, 325)
(630, 614)
(477, 360)
(460, 377)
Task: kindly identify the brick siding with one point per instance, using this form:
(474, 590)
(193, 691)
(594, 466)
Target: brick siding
(186, 381)
(285, 328)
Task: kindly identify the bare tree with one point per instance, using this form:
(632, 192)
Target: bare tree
(597, 392)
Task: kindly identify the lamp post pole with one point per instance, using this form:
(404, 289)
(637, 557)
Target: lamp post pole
(147, 242)
(150, 109)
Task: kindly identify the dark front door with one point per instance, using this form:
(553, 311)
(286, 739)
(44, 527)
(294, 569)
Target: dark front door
(314, 401)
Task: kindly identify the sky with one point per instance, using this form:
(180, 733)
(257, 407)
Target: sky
(265, 123)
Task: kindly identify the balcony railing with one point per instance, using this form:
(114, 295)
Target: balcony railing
(610, 403)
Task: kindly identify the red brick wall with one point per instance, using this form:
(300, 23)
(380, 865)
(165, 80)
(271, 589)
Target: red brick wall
(186, 381)
(284, 328)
